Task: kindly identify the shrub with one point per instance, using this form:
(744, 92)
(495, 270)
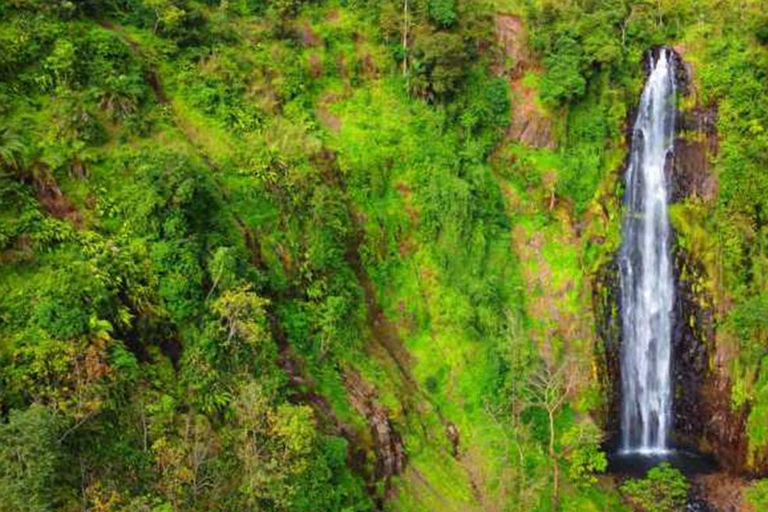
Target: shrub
(443, 12)
(583, 453)
(664, 489)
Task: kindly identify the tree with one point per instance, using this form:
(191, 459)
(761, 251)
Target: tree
(439, 64)
(564, 80)
(184, 453)
(276, 447)
(167, 14)
(405, 37)
(223, 269)
(549, 389)
(28, 460)
(71, 377)
(243, 317)
(283, 12)
(286, 8)
(443, 12)
(121, 95)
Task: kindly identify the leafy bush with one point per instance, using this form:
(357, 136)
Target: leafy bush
(663, 489)
(585, 459)
(443, 12)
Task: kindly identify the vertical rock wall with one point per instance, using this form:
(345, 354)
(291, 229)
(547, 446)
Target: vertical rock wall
(704, 417)
(693, 334)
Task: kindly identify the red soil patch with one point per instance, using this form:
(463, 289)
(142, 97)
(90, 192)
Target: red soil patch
(529, 124)
(53, 201)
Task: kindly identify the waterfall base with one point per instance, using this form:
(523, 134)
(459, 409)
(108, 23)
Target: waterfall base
(637, 464)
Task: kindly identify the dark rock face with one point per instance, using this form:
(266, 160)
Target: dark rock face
(703, 418)
(703, 413)
(695, 143)
(605, 304)
(692, 338)
(390, 452)
(724, 433)
(693, 325)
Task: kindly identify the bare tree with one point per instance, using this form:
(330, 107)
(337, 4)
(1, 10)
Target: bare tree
(405, 37)
(200, 453)
(520, 355)
(549, 389)
(525, 490)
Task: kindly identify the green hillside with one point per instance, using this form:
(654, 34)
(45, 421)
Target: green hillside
(352, 255)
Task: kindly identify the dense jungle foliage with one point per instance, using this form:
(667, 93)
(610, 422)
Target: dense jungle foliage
(290, 255)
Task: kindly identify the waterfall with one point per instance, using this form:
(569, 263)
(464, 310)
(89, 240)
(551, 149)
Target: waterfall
(647, 284)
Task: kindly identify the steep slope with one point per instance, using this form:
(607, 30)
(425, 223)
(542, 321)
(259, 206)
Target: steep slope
(330, 255)
(236, 224)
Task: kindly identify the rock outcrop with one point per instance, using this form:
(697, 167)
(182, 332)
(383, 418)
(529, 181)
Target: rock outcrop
(529, 125)
(390, 452)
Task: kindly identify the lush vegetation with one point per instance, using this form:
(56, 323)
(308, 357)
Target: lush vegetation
(287, 255)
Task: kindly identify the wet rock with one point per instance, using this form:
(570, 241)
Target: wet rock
(693, 328)
(703, 415)
(388, 445)
(724, 432)
(696, 143)
(605, 304)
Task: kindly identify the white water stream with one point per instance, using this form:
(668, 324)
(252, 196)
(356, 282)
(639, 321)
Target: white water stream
(647, 283)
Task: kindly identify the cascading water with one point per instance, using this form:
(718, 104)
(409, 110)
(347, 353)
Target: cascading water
(647, 284)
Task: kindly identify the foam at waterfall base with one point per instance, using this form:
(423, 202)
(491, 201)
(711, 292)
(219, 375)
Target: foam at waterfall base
(636, 463)
(646, 452)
